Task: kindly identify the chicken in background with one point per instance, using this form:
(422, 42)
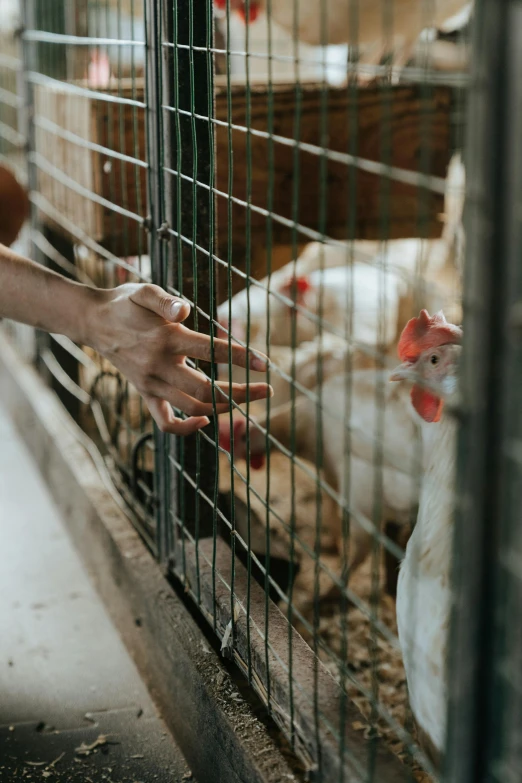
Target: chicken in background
(316, 256)
(289, 513)
(394, 277)
(293, 368)
(118, 21)
(349, 453)
(364, 422)
(327, 22)
(430, 351)
(391, 278)
(458, 21)
(99, 70)
(366, 291)
(108, 274)
(268, 48)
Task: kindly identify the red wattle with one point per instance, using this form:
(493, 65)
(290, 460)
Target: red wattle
(257, 461)
(427, 405)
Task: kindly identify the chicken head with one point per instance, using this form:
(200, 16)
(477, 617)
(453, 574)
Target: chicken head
(247, 11)
(238, 435)
(429, 348)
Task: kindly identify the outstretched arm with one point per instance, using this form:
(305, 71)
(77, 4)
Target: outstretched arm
(138, 328)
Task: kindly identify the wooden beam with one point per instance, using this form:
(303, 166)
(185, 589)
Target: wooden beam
(411, 123)
(417, 127)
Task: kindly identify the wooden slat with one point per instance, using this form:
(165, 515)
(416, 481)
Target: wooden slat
(411, 123)
(118, 128)
(410, 120)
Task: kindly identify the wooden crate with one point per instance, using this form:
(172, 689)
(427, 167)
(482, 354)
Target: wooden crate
(401, 116)
(68, 171)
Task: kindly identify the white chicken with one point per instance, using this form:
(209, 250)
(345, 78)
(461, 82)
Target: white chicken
(460, 20)
(292, 368)
(293, 276)
(324, 296)
(95, 270)
(326, 22)
(288, 505)
(370, 277)
(99, 74)
(351, 449)
(430, 353)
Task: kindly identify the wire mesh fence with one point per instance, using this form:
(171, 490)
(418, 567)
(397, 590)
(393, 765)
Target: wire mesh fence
(84, 71)
(294, 171)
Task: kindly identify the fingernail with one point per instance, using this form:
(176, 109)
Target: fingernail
(175, 308)
(258, 364)
(271, 391)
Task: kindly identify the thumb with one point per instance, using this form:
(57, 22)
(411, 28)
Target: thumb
(154, 298)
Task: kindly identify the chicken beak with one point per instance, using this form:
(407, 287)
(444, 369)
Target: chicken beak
(404, 372)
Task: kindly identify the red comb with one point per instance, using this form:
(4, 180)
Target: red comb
(253, 12)
(300, 283)
(253, 9)
(425, 332)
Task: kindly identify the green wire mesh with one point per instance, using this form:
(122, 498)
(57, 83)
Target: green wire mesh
(286, 176)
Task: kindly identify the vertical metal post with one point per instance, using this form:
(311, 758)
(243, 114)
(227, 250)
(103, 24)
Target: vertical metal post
(187, 89)
(51, 57)
(30, 63)
(157, 249)
(495, 91)
(169, 139)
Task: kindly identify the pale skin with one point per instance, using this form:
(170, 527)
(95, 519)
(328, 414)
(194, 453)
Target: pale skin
(138, 327)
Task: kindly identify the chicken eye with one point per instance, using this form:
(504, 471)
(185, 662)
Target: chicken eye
(434, 359)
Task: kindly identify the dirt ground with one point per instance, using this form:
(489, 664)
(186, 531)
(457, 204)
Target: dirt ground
(374, 661)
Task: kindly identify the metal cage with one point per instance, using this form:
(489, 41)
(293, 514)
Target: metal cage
(296, 174)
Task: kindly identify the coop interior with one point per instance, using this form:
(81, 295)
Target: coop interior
(324, 214)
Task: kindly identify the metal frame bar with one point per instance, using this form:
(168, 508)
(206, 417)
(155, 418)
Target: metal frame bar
(495, 89)
(186, 146)
(156, 245)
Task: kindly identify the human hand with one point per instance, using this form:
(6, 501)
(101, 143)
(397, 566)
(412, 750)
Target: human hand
(138, 328)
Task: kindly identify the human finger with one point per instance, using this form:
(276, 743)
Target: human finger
(156, 299)
(198, 346)
(163, 415)
(184, 402)
(199, 386)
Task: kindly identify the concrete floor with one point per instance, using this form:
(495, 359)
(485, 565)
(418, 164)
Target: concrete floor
(66, 679)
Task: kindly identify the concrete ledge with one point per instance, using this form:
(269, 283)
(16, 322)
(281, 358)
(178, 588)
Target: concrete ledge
(217, 731)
